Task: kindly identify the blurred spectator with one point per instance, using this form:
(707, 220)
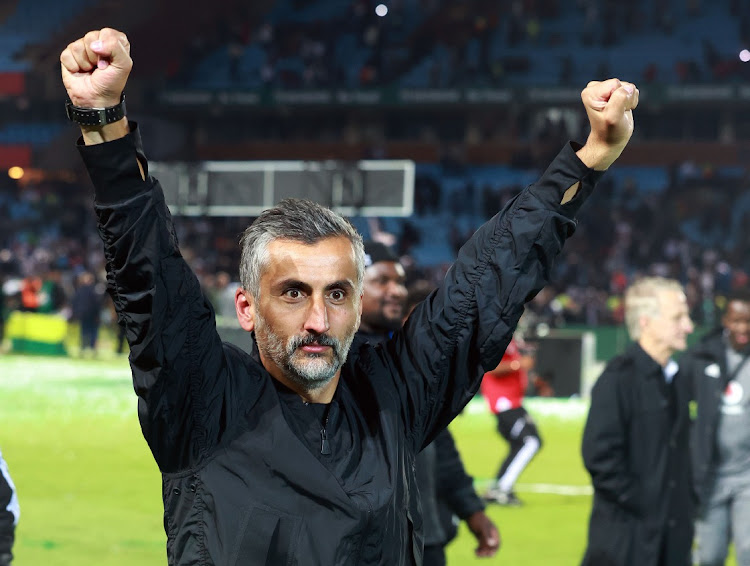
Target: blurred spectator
(87, 306)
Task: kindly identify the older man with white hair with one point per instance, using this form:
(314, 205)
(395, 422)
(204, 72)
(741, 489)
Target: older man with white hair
(636, 440)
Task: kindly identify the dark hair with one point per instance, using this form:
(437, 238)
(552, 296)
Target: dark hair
(741, 295)
(298, 220)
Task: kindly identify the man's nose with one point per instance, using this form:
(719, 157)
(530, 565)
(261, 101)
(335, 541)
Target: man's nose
(690, 326)
(317, 317)
(396, 289)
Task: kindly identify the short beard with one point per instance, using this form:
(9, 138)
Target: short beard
(381, 323)
(309, 371)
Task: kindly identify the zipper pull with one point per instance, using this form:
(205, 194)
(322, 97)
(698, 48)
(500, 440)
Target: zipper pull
(325, 449)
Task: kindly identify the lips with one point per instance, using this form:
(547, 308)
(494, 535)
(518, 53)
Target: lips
(315, 348)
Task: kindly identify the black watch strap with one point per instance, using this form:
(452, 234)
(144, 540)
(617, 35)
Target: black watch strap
(95, 116)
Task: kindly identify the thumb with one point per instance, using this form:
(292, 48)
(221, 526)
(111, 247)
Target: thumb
(112, 48)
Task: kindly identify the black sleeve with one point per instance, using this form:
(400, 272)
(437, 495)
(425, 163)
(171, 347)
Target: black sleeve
(454, 486)
(179, 368)
(462, 329)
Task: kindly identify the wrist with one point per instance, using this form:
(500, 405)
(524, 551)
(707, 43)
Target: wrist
(93, 135)
(599, 155)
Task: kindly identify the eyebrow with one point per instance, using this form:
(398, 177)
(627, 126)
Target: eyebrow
(341, 284)
(291, 283)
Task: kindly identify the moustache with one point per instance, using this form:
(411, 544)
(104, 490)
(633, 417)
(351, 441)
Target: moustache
(319, 339)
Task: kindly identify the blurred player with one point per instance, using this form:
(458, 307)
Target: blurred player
(504, 389)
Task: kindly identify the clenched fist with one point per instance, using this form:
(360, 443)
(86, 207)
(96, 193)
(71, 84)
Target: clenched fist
(609, 106)
(95, 68)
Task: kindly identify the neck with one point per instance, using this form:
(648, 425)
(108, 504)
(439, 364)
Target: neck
(659, 353)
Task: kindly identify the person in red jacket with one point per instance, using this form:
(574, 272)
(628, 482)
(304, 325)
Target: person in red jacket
(504, 388)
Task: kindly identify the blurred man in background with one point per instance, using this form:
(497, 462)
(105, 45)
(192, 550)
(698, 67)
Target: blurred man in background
(9, 512)
(385, 305)
(504, 389)
(636, 438)
(717, 368)
(86, 307)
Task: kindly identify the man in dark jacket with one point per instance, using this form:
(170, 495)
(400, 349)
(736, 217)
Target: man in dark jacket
(9, 512)
(636, 439)
(303, 452)
(385, 302)
(717, 368)
(86, 306)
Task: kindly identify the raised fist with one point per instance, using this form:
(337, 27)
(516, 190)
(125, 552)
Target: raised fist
(609, 106)
(95, 68)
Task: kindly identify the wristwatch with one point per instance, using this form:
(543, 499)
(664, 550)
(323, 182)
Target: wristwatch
(95, 116)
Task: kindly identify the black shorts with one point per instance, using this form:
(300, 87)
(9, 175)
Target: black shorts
(516, 424)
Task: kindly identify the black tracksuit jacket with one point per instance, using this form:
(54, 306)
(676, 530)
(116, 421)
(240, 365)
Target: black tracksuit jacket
(244, 479)
(445, 489)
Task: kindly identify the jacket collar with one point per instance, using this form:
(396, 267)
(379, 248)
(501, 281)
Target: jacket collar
(645, 363)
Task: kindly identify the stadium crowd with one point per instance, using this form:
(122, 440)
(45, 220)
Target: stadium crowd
(440, 44)
(693, 230)
(698, 238)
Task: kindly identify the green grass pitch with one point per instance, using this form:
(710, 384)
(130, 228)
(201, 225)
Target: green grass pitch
(90, 492)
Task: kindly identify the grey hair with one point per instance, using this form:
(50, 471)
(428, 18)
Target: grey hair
(642, 299)
(298, 220)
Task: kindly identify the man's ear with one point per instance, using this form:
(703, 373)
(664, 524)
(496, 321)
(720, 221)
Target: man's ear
(243, 304)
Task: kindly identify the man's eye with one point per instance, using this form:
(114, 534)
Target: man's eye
(337, 295)
(293, 293)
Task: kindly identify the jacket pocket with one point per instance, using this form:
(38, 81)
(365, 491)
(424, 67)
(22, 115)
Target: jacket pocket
(266, 537)
(179, 495)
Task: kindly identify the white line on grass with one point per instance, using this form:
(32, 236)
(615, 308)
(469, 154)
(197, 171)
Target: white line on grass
(548, 488)
(555, 489)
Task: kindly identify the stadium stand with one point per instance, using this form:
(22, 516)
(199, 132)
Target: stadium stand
(676, 205)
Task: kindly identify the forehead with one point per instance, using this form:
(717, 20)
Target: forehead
(330, 259)
(738, 309)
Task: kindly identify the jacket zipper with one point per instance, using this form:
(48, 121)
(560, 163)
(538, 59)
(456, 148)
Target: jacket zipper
(325, 448)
